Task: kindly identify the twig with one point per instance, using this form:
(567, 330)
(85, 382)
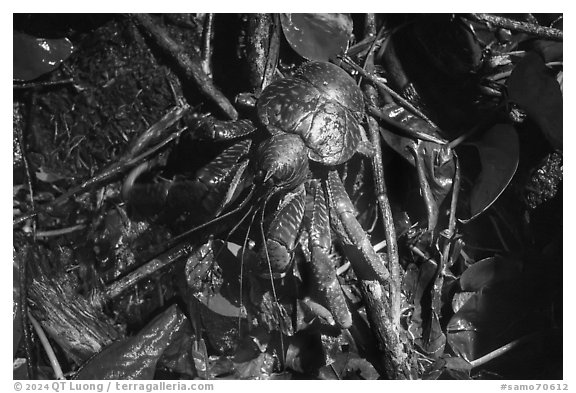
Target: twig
(549, 33)
(432, 209)
(23, 284)
(150, 267)
(423, 255)
(378, 83)
(439, 281)
(395, 358)
(33, 85)
(23, 151)
(373, 111)
(370, 25)
(189, 63)
(386, 212)
(48, 348)
(157, 129)
(503, 349)
(207, 36)
(23, 265)
(113, 170)
(273, 52)
(60, 231)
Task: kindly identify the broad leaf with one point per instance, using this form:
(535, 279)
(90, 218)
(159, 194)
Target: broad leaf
(535, 90)
(488, 272)
(136, 357)
(317, 37)
(449, 367)
(499, 154)
(34, 57)
(485, 322)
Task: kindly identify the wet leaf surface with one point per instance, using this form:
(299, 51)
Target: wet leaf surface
(499, 155)
(451, 368)
(136, 357)
(483, 322)
(34, 57)
(465, 289)
(317, 36)
(487, 273)
(532, 86)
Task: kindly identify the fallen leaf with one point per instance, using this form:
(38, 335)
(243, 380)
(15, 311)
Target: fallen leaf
(136, 357)
(317, 37)
(488, 272)
(535, 90)
(34, 57)
(499, 155)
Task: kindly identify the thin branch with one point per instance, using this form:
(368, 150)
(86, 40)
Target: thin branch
(373, 111)
(503, 349)
(60, 231)
(150, 267)
(386, 212)
(207, 36)
(23, 300)
(273, 52)
(117, 168)
(189, 63)
(381, 85)
(23, 265)
(449, 234)
(35, 85)
(370, 25)
(396, 361)
(48, 348)
(548, 33)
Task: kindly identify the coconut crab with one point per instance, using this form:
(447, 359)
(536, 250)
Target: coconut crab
(309, 124)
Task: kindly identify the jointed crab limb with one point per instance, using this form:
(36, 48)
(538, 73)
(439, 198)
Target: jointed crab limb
(213, 129)
(283, 232)
(366, 262)
(322, 266)
(213, 187)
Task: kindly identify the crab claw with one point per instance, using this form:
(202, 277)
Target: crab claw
(282, 161)
(282, 234)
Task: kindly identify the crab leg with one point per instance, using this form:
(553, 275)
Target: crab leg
(322, 266)
(367, 264)
(283, 231)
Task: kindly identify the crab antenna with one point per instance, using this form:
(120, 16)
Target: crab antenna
(232, 231)
(181, 236)
(271, 275)
(242, 268)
